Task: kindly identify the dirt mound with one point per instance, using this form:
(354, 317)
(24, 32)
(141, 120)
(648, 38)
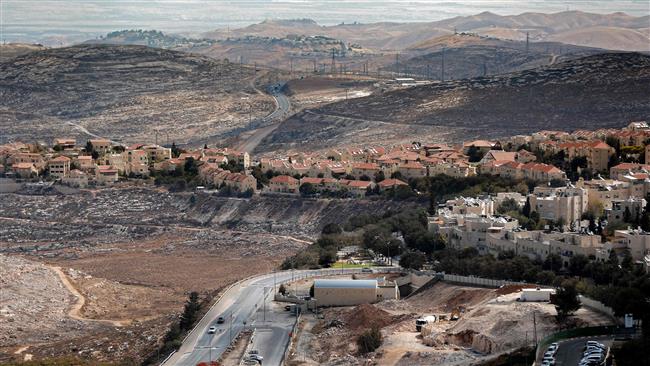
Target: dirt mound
(446, 297)
(366, 316)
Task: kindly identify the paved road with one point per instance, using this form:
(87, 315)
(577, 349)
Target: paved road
(281, 112)
(570, 352)
(241, 307)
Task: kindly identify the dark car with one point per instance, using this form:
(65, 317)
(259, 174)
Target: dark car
(220, 320)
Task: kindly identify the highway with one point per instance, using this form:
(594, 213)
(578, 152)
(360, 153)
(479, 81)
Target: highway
(254, 137)
(242, 307)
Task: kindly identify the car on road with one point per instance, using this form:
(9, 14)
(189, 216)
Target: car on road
(212, 330)
(367, 270)
(256, 357)
(287, 307)
(221, 320)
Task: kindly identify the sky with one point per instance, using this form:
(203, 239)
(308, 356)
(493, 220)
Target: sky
(65, 21)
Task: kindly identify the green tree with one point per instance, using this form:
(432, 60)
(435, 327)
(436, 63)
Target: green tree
(190, 312)
(332, 228)
(566, 300)
(307, 189)
(526, 209)
(175, 151)
(508, 205)
(379, 176)
(412, 260)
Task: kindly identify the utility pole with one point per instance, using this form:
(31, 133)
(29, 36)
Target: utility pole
(333, 66)
(314, 66)
(442, 74)
(397, 64)
(428, 71)
(534, 329)
(291, 65)
(527, 38)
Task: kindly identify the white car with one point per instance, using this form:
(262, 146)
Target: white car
(212, 330)
(553, 348)
(595, 344)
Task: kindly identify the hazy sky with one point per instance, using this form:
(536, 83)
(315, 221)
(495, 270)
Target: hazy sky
(49, 20)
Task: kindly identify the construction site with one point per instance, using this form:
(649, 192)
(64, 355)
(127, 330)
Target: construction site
(441, 323)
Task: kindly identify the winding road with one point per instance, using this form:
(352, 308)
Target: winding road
(254, 137)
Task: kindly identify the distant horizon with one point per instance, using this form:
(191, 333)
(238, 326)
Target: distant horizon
(61, 22)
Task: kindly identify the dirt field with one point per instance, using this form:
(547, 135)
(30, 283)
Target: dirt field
(491, 322)
(310, 92)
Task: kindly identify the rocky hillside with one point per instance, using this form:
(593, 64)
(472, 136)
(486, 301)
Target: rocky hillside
(469, 55)
(606, 90)
(124, 92)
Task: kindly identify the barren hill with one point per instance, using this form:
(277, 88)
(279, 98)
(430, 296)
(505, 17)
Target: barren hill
(11, 50)
(124, 92)
(605, 90)
(470, 55)
(396, 36)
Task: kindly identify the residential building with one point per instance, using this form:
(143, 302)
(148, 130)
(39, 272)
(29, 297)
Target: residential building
(470, 205)
(632, 206)
(365, 169)
(65, 143)
(636, 241)
(284, 184)
(568, 203)
(356, 188)
(85, 163)
(390, 184)
(76, 178)
(25, 170)
(596, 152)
(105, 174)
(59, 167)
(623, 169)
(102, 146)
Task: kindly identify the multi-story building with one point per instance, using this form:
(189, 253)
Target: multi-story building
(59, 167)
(568, 203)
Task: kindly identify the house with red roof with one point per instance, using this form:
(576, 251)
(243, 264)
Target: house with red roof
(284, 184)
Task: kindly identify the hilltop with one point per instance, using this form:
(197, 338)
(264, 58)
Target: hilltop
(150, 38)
(631, 32)
(605, 90)
(124, 92)
(11, 50)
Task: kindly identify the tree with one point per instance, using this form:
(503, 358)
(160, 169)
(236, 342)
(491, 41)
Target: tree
(369, 340)
(332, 228)
(311, 290)
(526, 209)
(553, 262)
(509, 204)
(412, 260)
(577, 264)
(474, 154)
(379, 176)
(307, 189)
(627, 215)
(175, 151)
(566, 300)
(282, 290)
(191, 168)
(190, 312)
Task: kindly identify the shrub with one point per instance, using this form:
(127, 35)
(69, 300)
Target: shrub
(369, 340)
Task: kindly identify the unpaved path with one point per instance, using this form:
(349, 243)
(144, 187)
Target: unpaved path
(75, 312)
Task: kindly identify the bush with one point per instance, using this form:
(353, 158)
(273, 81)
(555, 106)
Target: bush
(369, 341)
(332, 228)
(412, 260)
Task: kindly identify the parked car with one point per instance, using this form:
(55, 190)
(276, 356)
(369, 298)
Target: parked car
(221, 320)
(366, 270)
(212, 330)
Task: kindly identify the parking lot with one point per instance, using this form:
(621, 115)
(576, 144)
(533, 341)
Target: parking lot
(570, 352)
